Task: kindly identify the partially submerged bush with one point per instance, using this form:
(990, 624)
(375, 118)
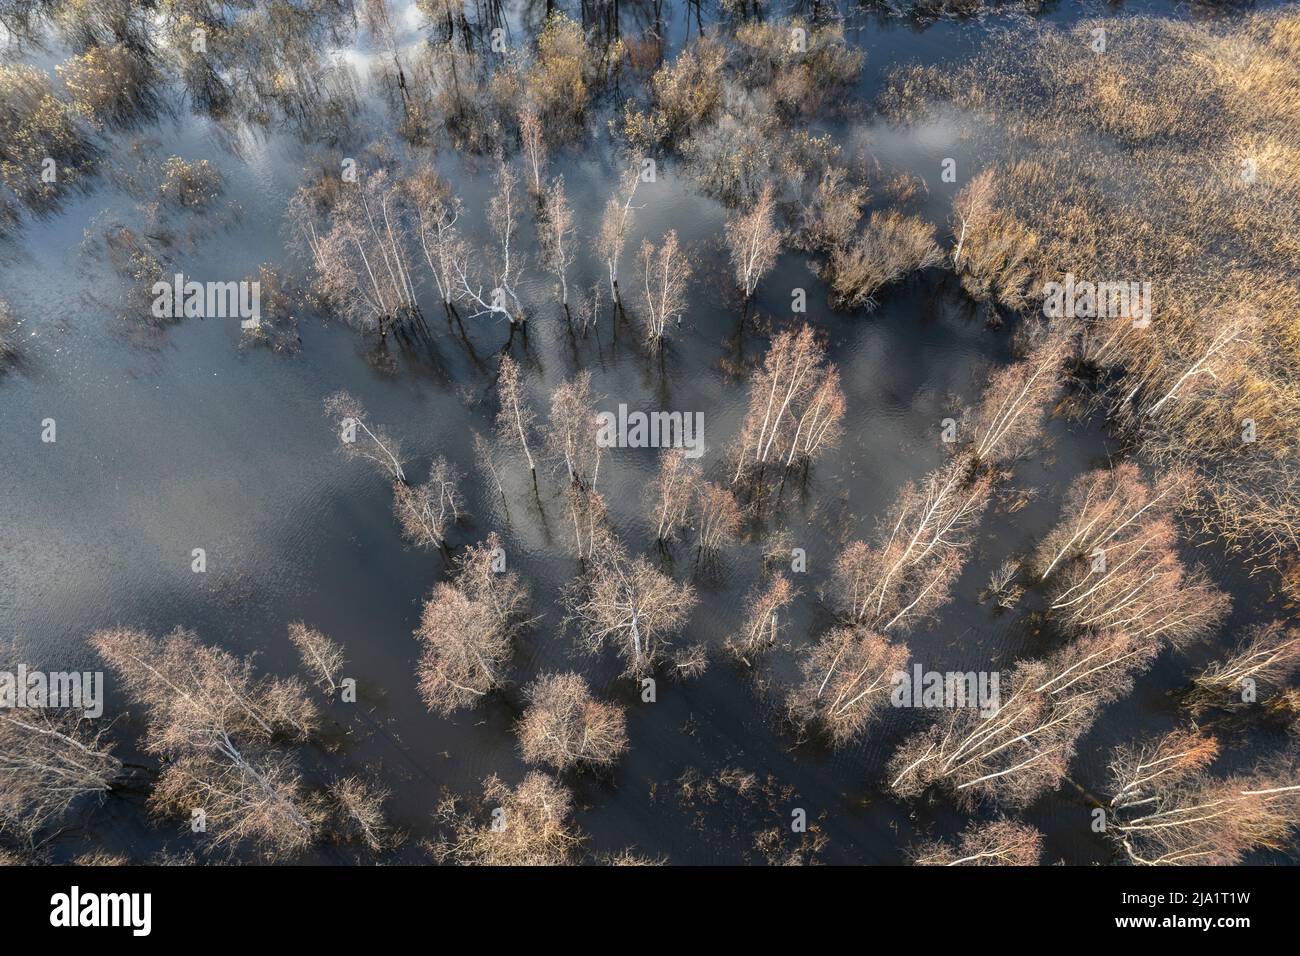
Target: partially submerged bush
(889, 247)
(36, 126)
(8, 332)
(683, 94)
(190, 185)
(526, 825)
(109, 85)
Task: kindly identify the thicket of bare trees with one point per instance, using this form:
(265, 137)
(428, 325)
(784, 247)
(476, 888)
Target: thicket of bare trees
(795, 408)
(918, 551)
(467, 629)
(1000, 843)
(360, 251)
(846, 680)
(1209, 381)
(1024, 749)
(1103, 506)
(717, 518)
(564, 726)
(1167, 810)
(1138, 583)
(1112, 561)
(110, 85)
(1125, 600)
(994, 252)
(35, 124)
(221, 730)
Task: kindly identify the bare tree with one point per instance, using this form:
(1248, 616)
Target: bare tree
(795, 406)
(527, 825)
(615, 223)
(570, 435)
(847, 677)
(481, 575)
(501, 265)
(467, 629)
(1184, 817)
(465, 652)
(437, 211)
(359, 440)
(1024, 748)
(48, 760)
(917, 553)
(564, 726)
(672, 493)
(717, 517)
(629, 603)
(754, 241)
(761, 627)
(426, 511)
(1103, 506)
(219, 725)
(1000, 843)
(322, 657)
(1139, 772)
(1009, 417)
(665, 273)
(534, 144)
(1002, 585)
(973, 204)
(556, 236)
(515, 416)
(359, 814)
(1138, 583)
(1266, 656)
(591, 532)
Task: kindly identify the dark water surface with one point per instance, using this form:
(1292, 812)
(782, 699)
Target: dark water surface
(190, 441)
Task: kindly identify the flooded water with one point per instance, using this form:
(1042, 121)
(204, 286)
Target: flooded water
(186, 440)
